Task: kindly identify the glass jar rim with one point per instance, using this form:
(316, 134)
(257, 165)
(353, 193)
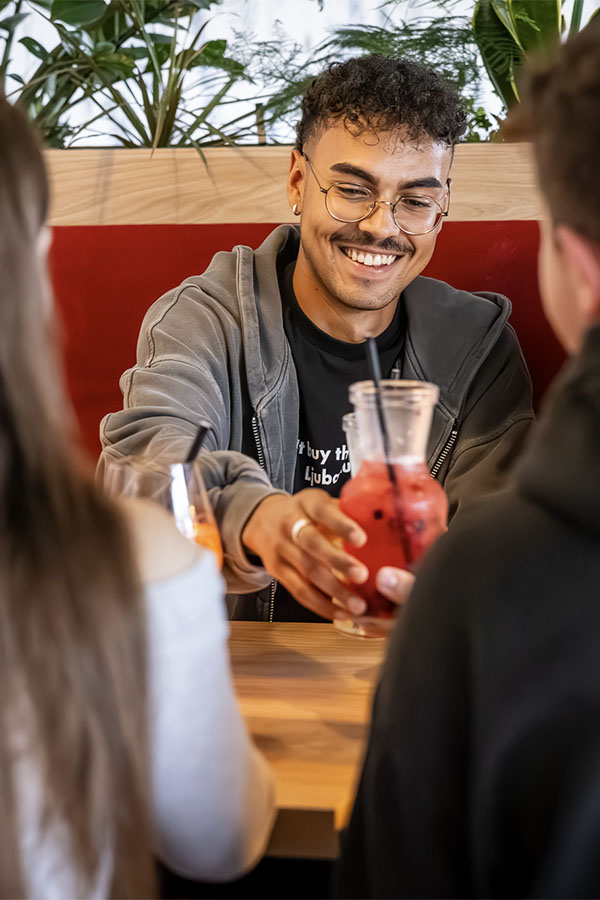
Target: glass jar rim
(394, 391)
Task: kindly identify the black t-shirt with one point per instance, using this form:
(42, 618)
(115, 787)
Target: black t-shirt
(325, 368)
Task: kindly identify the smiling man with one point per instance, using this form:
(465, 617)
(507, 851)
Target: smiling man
(357, 252)
(265, 344)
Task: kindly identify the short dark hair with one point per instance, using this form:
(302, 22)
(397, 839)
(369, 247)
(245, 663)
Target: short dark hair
(561, 114)
(377, 93)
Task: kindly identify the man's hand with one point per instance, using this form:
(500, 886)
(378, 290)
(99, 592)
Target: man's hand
(307, 558)
(396, 585)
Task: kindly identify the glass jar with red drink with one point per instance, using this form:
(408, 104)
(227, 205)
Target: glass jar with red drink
(392, 496)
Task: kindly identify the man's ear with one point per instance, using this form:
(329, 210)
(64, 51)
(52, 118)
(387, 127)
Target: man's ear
(447, 193)
(296, 181)
(582, 258)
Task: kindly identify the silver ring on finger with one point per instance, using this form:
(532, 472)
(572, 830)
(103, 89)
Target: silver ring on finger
(297, 527)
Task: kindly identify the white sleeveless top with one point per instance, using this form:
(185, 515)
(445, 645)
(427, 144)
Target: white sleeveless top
(212, 792)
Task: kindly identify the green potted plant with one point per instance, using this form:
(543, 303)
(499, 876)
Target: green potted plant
(133, 61)
(508, 32)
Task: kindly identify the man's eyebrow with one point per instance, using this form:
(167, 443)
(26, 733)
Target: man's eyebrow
(356, 172)
(429, 182)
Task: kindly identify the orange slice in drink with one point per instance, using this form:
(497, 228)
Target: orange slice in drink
(207, 535)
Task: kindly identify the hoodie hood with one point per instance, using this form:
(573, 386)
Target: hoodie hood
(453, 332)
(244, 282)
(561, 471)
(450, 334)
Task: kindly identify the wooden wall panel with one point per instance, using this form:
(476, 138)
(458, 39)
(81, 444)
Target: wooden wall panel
(491, 182)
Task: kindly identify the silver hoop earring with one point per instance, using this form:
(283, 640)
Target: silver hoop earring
(295, 209)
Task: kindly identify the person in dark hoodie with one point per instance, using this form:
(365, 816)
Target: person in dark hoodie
(482, 772)
(265, 344)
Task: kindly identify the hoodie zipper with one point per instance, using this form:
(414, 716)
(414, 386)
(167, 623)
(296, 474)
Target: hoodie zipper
(261, 461)
(443, 455)
(258, 442)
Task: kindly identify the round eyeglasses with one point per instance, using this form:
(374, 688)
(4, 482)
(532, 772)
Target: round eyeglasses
(412, 213)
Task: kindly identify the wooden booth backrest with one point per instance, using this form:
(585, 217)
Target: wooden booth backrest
(129, 225)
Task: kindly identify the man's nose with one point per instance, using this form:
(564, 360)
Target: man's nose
(381, 222)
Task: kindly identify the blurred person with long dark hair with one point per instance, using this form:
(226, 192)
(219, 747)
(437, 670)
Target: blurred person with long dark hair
(120, 732)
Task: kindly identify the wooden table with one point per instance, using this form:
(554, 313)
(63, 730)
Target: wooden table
(305, 691)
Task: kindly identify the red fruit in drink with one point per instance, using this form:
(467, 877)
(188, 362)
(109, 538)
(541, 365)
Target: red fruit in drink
(401, 521)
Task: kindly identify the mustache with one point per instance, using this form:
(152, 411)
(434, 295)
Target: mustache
(366, 240)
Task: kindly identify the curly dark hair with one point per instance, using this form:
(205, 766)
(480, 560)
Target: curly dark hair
(378, 93)
(560, 112)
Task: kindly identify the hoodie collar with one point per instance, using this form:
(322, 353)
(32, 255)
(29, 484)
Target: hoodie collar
(449, 332)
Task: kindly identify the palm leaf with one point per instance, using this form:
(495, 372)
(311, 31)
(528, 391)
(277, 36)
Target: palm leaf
(576, 17)
(502, 10)
(537, 23)
(500, 53)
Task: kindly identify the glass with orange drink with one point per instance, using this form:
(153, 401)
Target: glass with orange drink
(191, 507)
(177, 487)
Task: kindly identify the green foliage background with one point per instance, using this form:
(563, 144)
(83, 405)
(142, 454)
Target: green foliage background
(151, 78)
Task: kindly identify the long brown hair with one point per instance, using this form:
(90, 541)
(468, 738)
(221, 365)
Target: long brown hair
(72, 640)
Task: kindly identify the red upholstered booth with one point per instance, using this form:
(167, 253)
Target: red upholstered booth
(106, 276)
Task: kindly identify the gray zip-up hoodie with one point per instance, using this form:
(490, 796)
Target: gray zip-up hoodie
(215, 347)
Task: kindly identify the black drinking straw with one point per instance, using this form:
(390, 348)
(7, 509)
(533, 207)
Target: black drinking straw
(375, 367)
(203, 427)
